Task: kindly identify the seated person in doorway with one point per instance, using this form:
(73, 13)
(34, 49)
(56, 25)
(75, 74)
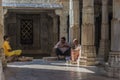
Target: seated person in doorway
(75, 51)
(62, 48)
(8, 50)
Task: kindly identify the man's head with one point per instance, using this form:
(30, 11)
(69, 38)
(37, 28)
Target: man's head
(6, 38)
(63, 39)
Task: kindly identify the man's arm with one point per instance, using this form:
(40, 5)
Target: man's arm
(57, 45)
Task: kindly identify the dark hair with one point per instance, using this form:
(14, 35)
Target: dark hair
(5, 37)
(63, 38)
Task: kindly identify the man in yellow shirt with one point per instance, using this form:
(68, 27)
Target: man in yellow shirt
(7, 48)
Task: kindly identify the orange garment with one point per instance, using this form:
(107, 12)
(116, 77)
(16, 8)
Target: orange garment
(75, 53)
(7, 47)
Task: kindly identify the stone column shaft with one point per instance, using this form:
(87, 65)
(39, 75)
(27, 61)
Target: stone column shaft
(88, 32)
(64, 18)
(63, 25)
(114, 56)
(105, 28)
(2, 56)
(74, 20)
(104, 42)
(1, 24)
(55, 32)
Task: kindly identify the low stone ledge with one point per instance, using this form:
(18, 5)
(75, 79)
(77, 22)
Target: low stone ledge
(50, 58)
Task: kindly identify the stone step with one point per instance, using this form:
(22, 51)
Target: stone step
(50, 58)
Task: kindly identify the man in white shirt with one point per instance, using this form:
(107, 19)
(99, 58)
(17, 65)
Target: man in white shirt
(62, 48)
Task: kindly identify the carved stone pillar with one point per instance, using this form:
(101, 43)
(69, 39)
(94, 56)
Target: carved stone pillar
(104, 42)
(2, 56)
(74, 31)
(114, 56)
(63, 25)
(55, 31)
(1, 24)
(63, 14)
(88, 32)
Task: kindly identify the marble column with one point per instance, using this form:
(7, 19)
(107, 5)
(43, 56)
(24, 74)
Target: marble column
(88, 32)
(74, 31)
(114, 55)
(104, 42)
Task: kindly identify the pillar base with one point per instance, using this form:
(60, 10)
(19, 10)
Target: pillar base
(90, 53)
(113, 69)
(103, 51)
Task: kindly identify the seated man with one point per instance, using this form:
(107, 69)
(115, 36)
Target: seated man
(7, 48)
(75, 51)
(62, 48)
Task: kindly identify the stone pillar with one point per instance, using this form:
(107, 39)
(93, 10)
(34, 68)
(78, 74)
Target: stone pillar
(104, 42)
(55, 31)
(63, 14)
(88, 32)
(114, 56)
(1, 24)
(74, 31)
(63, 25)
(2, 55)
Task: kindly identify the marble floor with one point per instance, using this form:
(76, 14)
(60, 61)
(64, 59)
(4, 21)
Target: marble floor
(52, 70)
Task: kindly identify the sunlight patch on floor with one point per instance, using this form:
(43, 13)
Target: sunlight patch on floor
(59, 66)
